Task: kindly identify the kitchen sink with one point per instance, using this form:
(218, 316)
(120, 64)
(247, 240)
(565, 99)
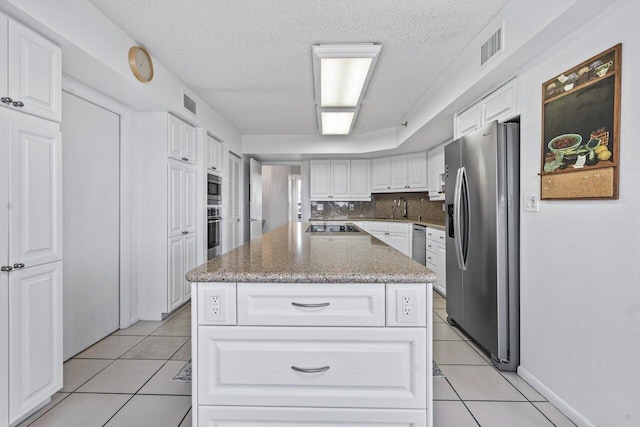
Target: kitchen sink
(317, 228)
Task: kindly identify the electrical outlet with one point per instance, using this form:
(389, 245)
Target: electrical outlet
(215, 310)
(351, 207)
(407, 305)
(320, 207)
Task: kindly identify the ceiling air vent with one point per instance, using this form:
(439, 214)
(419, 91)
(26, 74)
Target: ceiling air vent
(491, 47)
(189, 103)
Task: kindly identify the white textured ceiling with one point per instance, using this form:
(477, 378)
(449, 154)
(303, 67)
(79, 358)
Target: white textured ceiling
(251, 59)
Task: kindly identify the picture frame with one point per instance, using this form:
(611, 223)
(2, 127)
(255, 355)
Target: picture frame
(580, 150)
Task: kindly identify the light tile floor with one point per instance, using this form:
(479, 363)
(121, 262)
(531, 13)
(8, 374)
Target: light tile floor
(124, 380)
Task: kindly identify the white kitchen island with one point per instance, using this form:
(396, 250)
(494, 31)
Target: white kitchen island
(312, 329)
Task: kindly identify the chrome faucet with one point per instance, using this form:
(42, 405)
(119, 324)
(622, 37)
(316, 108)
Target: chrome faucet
(403, 201)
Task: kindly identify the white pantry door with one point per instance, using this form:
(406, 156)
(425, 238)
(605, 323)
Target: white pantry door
(255, 204)
(91, 218)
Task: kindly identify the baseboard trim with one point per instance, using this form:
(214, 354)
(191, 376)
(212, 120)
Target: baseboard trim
(134, 319)
(554, 399)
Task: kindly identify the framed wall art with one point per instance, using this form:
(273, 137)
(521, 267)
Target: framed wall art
(580, 130)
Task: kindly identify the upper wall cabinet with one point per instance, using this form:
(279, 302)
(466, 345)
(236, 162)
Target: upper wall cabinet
(30, 71)
(360, 179)
(340, 180)
(435, 162)
(214, 155)
(399, 173)
(182, 141)
(500, 105)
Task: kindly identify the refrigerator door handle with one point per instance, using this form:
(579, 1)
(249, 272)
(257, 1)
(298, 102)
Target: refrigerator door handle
(457, 199)
(463, 232)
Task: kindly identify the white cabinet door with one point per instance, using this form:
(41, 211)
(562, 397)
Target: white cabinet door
(35, 336)
(174, 138)
(340, 179)
(35, 73)
(361, 179)
(228, 416)
(317, 367)
(4, 70)
(442, 269)
(399, 241)
(189, 176)
(502, 104)
(380, 174)
(398, 172)
(176, 272)
(435, 170)
(417, 170)
(214, 149)
(35, 195)
(189, 144)
(320, 179)
(189, 262)
(181, 140)
(467, 121)
(175, 199)
(4, 338)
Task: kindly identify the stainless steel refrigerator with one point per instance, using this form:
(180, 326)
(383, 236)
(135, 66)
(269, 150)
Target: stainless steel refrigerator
(482, 228)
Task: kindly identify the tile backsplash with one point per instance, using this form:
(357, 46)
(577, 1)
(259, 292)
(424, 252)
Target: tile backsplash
(382, 206)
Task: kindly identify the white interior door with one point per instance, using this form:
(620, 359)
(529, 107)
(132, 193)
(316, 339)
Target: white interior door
(91, 217)
(255, 203)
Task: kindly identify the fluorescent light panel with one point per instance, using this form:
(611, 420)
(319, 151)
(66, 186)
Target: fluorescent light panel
(336, 123)
(342, 80)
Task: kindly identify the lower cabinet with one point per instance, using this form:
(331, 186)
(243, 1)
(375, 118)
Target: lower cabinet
(437, 258)
(182, 258)
(312, 367)
(35, 337)
(246, 374)
(395, 234)
(219, 416)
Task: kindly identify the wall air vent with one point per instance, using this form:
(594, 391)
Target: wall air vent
(491, 47)
(189, 103)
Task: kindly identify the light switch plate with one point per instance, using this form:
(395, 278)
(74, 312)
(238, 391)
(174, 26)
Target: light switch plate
(531, 202)
(320, 207)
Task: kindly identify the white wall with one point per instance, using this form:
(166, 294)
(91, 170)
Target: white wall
(275, 196)
(580, 282)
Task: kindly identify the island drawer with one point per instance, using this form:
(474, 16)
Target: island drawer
(312, 367)
(361, 304)
(327, 417)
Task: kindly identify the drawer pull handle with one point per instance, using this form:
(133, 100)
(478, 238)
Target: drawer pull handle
(322, 304)
(310, 370)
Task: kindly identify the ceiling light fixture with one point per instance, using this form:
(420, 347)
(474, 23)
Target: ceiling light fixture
(341, 73)
(336, 121)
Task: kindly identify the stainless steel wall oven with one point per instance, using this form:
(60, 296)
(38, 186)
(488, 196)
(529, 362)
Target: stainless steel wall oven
(214, 189)
(214, 244)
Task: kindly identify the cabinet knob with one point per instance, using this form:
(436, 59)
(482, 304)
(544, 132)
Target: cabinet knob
(184, 159)
(6, 268)
(18, 265)
(18, 104)
(185, 232)
(6, 100)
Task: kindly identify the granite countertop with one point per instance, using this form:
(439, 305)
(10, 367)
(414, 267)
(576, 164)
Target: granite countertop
(290, 255)
(437, 226)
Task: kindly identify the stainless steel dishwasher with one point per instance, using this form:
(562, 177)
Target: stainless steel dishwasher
(419, 246)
